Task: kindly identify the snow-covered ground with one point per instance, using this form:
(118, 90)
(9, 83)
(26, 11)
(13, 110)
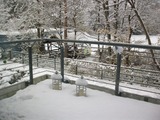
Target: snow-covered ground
(141, 39)
(41, 102)
(8, 70)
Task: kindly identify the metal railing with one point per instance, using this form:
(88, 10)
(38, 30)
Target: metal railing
(109, 72)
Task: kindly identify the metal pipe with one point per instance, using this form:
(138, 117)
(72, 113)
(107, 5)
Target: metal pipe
(62, 63)
(118, 74)
(89, 42)
(30, 64)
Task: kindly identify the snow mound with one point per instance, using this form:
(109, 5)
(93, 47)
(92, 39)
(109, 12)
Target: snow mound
(81, 81)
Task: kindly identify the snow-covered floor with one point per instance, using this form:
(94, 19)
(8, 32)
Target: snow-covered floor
(7, 69)
(41, 102)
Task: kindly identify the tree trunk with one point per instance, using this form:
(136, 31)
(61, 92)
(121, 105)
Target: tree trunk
(99, 22)
(130, 31)
(60, 18)
(106, 14)
(40, 32)
(65, 28)
(116, 7)
(132, 4)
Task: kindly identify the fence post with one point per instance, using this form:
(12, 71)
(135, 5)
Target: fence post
(37, 60)
(55, 67)
(10, 54)
(101, 73)
(62, 63)
(30, 64)
(76, 69)
(23, 54)
(118, 74)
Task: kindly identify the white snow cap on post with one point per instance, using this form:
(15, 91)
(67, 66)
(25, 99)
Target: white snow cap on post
(118, 49)
(81, 81)
(56, 76)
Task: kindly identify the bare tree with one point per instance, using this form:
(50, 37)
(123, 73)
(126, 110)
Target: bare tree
(4, 16)
(65, 28)
(116, 10)
(132, 4)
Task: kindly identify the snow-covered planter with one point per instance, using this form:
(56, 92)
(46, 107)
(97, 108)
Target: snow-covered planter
(56, 81)
(81, 88)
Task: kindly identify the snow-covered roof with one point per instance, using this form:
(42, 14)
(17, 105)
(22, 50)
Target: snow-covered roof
(81, 81)
(56, 76)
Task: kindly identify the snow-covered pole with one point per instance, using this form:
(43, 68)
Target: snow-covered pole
(30, 64)
(10, 54)
(55, 62)
(62, 62)
(118, 50)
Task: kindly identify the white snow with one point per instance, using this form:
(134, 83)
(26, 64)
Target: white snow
(141, 39)
(117, 49)
(81, 81)
(56, 76)
(41, 102)
(7, 70)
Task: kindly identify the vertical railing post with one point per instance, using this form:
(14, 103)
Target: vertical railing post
(55, 67)
(76, 70)
(62, 63)
(10, 54)
(30, 64)
(101, 72)
(37, 60)
(22, 57)
(118, 74)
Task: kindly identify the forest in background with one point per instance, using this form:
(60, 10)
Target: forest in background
(110, 20)
(106, 17)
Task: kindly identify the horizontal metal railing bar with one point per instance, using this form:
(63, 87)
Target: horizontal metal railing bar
(85, 41)
(131, 51)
